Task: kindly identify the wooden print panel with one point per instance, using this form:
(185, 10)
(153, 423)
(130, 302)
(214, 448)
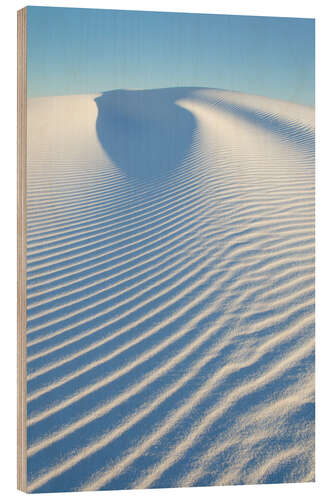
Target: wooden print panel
(166, 250)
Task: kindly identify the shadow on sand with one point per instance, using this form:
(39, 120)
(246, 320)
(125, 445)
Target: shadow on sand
(144, 132)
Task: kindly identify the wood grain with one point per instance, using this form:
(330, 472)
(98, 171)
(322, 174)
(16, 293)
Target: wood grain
(21, 249)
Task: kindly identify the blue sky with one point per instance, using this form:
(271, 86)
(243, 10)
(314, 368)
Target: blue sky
(79, 51)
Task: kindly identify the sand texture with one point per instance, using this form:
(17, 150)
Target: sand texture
(170, 290)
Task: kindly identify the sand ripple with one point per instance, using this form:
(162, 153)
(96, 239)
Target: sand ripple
(170, 290)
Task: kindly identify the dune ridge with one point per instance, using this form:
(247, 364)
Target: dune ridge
(170, 290)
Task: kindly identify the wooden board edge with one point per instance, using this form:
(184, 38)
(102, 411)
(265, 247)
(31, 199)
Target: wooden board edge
(21, 248)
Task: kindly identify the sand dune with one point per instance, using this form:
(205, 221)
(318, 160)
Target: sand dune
(170, 290)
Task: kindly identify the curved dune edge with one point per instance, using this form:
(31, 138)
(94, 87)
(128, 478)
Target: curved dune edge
(170, 307)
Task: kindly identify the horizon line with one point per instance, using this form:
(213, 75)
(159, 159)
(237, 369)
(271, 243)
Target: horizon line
(101, 92)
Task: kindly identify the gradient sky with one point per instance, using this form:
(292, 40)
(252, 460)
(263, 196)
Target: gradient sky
(79, 51)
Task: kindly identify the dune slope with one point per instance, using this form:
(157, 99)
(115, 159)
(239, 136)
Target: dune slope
(170, 290)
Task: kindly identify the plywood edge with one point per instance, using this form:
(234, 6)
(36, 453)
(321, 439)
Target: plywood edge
(21, 249)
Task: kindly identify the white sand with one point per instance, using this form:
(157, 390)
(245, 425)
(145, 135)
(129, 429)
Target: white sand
(171, 290)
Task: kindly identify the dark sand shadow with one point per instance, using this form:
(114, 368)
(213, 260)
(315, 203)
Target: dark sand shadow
(144, 132)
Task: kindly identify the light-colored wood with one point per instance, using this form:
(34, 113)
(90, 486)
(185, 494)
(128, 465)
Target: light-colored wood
(21, 249)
